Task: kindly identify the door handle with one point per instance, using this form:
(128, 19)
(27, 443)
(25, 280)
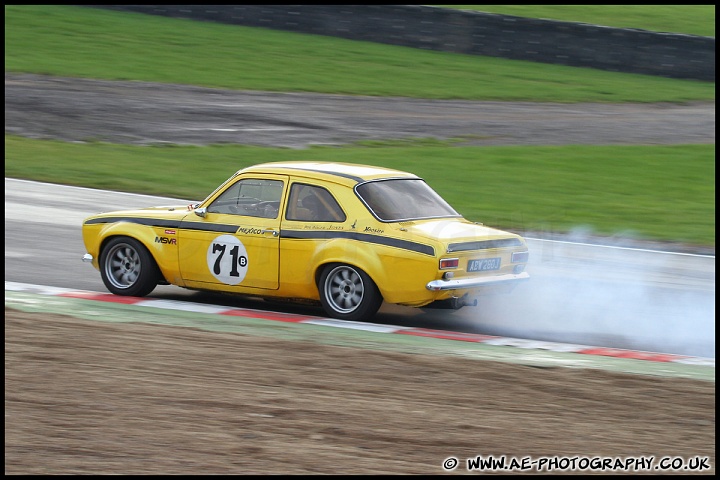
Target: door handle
(270, 230)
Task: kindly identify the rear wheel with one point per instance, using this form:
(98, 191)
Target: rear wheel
(348, 293)
(127, 268)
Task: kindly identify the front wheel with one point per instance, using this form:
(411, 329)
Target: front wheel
(127, 268)
(348, 293)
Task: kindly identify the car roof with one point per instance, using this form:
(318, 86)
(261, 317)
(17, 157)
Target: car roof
(347, 173)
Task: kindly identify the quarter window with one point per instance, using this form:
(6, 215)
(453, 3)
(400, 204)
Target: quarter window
(313, 204)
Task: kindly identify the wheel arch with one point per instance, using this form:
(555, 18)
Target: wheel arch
(361, 256)
(146, 236)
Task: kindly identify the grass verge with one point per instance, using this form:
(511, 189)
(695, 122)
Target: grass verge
(93, 43)
(644, 192)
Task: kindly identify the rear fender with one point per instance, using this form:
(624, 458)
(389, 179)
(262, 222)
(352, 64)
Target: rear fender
(399, 275)
(357, 254)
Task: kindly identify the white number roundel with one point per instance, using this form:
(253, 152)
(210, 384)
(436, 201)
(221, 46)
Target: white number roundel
(227, 259)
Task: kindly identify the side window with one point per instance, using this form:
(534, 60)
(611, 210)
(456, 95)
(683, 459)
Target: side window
(313, 204)
(250, 197)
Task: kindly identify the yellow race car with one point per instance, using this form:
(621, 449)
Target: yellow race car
(349, 236)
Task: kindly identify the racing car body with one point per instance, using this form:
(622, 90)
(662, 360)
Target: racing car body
(348, 236)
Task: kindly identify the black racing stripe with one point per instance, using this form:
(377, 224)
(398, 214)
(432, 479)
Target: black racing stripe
(209, 227)
(289, 234)
(152, 222)
(156, 222)
(484, 244)
(361, 237)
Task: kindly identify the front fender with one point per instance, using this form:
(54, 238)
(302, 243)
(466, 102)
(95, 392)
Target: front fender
(160, 242)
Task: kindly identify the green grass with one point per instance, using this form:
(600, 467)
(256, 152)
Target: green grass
(688, 19)
(654, 192)
(94, 43)
(650, 192)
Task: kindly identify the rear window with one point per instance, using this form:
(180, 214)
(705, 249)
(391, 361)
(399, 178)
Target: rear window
(403, 199)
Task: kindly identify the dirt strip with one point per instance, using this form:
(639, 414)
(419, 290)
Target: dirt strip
(85, 397)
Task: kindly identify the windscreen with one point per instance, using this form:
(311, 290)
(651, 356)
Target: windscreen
(403, 199)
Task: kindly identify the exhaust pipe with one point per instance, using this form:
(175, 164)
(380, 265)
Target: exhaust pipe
(464, 301)
(453, 303)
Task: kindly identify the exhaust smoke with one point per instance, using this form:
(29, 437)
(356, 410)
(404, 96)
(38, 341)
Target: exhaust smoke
(610, 296)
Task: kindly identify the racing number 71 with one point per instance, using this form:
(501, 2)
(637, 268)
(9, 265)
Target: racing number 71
(237, 259)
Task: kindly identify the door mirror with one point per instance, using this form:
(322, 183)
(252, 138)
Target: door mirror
(200, 212)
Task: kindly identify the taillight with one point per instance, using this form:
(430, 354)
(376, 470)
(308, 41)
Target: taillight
(446, 263)
(520, 257)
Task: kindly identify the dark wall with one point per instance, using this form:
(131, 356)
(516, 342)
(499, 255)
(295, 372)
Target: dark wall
(475, 33)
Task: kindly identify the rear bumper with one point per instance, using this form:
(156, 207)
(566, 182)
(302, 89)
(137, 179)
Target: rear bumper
(475, 282)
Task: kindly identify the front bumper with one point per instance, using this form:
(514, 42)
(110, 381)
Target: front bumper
(475, 282)
(87, 258)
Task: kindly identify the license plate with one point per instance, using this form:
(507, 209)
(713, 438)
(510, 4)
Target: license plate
(483, 265)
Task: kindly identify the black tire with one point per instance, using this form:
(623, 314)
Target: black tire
(348, 293)
(127, 268)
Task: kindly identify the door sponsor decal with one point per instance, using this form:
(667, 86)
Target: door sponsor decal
(227, 259)
(170, 241)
